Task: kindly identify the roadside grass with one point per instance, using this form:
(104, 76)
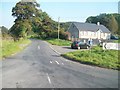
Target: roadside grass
(117, 41)
(96, 56)
(59, 42)
(10, 47)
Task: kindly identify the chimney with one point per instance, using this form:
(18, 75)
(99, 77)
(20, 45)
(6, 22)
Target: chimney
(98, 23)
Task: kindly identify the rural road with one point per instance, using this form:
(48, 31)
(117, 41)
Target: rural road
(39, 66)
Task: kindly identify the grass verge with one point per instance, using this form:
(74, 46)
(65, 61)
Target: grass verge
(59, 42)
(117, 41)
(97, 57)
(10, 47)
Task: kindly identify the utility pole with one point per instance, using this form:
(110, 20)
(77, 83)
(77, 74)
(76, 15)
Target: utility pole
(58, 26)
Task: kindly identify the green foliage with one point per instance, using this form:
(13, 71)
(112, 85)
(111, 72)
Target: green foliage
(10, 47)
(59, 42)
(25, 10)
(32, 21)
(117, 41)
(21, 29)
(97, 56)
(5, 32)
(113, 25)
(26, 14)
(65, 25)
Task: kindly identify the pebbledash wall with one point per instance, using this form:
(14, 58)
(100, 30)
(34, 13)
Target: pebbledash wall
(75, 33)
(94, 35)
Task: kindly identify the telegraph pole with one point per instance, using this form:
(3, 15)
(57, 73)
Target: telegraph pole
(58, 26)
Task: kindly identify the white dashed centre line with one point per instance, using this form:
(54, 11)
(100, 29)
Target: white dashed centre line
(48, 78)
(50, 61)
(38, 47)
(57, 62)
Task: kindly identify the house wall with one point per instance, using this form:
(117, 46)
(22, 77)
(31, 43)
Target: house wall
(94, 35)
(74, 32)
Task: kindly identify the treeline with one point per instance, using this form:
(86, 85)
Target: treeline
(31, 21)
(5, 33)
(111, 21)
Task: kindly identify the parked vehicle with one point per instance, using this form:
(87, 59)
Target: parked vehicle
(114, 37)
(80, 45)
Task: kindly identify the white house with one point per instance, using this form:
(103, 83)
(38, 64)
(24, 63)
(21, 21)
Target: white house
(79, 30)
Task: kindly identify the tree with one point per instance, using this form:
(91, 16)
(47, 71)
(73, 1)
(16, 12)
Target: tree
(26, 14)
(113, 25)
(4, 32)
(25, 10)
(111, 21)
(21, 29)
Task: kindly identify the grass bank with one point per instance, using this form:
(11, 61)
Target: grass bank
(10, 47)
(117, 41)
(59, 42)
(97, 57)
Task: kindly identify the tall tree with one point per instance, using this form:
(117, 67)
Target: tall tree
(26, 13)
(111, 21)
(113, 25)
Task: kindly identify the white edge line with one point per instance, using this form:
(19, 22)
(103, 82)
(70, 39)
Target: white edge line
(55, 50)
(48, 78)
(50, 61)
(38, 47)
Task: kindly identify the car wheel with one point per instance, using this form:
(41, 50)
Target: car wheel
(78, 48)
(87, 47)
(72, 47)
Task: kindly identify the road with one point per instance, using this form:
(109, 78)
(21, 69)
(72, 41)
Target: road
(39, 66)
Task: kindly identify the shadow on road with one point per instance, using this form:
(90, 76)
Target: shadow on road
(67, 47)
(55, 55)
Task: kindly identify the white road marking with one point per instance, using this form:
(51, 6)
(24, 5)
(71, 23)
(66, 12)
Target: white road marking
(62, 63)
(57, 62)
(13, 54)
(50, 61)
(48, 78)
(38, 47)
(66, 60)
(54, 50)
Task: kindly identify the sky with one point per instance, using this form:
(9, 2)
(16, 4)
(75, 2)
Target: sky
(67, 10)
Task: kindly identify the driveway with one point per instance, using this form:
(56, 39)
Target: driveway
(62, 49)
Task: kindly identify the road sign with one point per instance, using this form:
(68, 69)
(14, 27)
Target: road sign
(114, 46)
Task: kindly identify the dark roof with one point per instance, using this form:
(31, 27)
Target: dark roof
(90, 27)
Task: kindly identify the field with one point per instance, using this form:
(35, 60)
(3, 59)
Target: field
(10, 47)
(97, 57)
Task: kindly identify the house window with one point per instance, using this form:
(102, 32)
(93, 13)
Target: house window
(82, 32)
(103, 34)
(91, 33)
(86, 33)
